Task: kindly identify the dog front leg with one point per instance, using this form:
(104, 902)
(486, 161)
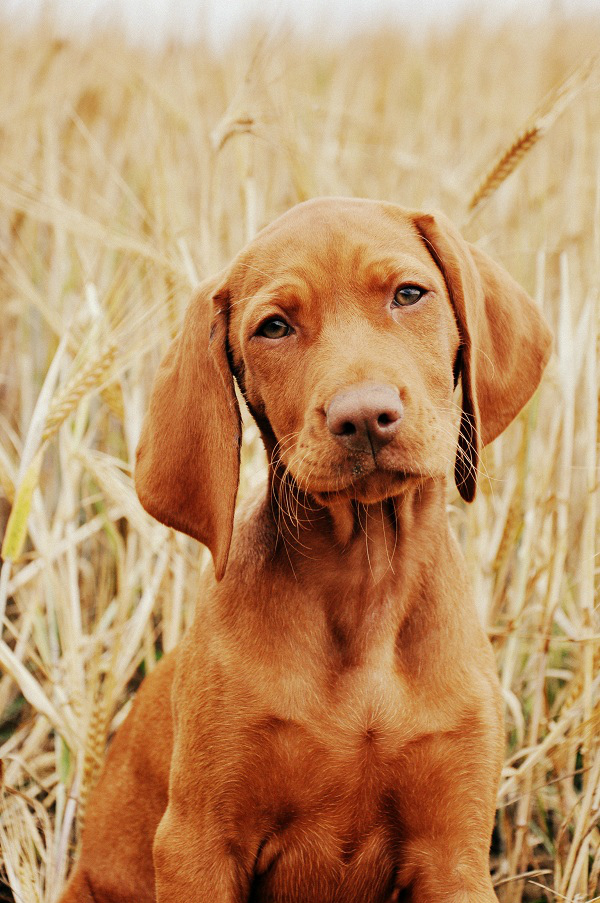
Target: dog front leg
(447, 805)
(439, 877)
(194, 865)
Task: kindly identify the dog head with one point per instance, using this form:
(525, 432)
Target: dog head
(347, 324)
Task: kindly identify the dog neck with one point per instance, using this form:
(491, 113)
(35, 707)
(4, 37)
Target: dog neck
(370, 574)
(360, 554)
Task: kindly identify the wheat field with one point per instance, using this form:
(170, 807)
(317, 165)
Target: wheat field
(125, 177)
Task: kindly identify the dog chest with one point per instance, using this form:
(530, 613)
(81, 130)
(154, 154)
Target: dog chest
(318, 794)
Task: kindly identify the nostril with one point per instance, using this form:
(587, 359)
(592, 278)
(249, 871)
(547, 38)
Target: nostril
(386, 419)
(347, 429)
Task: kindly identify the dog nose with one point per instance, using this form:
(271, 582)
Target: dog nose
(365, 417)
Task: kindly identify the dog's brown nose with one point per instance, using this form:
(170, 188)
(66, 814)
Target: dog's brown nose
(365, 417)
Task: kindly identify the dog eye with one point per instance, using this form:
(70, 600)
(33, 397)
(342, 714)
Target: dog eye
(407, 295)
(275, 329)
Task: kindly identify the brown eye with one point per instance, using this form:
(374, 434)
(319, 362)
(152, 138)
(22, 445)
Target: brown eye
(275, 329)
(407, 295)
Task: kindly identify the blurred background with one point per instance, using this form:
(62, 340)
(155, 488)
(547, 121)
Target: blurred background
(141, 145)
(156, 22)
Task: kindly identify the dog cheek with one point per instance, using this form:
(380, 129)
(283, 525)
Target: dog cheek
(257, 379)
(279, 395)
(440, 386)
(285, 419)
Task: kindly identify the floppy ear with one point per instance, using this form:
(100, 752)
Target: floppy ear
(188, 457)
(505, 343)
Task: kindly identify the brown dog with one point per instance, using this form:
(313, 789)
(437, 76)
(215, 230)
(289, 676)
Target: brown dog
(336, 729)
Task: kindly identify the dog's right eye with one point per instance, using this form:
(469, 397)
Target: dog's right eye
(275, 329)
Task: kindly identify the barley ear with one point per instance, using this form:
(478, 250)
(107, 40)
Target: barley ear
(551, 108)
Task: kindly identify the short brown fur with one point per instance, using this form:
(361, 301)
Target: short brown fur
(336, 733)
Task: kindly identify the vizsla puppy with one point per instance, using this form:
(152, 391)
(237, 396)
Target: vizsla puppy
(335, 731)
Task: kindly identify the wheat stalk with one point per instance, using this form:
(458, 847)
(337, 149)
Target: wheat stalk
(553, 106)
(94, 750)
(92, 375)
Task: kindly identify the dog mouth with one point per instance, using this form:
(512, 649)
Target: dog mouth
(368, 487)
(356, 476)
(371, 488)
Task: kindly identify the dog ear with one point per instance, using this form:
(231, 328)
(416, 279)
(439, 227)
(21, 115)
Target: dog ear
(505, 343)
(188, 457)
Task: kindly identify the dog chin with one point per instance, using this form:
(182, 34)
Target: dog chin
(370, 489)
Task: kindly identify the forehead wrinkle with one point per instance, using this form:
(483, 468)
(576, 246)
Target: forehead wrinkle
(265, 302)
(381, 269)
(299, 285)
(287, 269)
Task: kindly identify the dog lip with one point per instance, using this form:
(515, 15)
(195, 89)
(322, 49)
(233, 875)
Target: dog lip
(352, 472)
(398, 477)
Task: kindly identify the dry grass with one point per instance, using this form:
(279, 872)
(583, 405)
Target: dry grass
(126, 177)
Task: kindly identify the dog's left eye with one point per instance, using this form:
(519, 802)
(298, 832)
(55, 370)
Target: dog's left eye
(407, 294)
(275, 329)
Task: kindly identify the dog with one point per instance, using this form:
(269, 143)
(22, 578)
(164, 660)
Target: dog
(329, 730)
